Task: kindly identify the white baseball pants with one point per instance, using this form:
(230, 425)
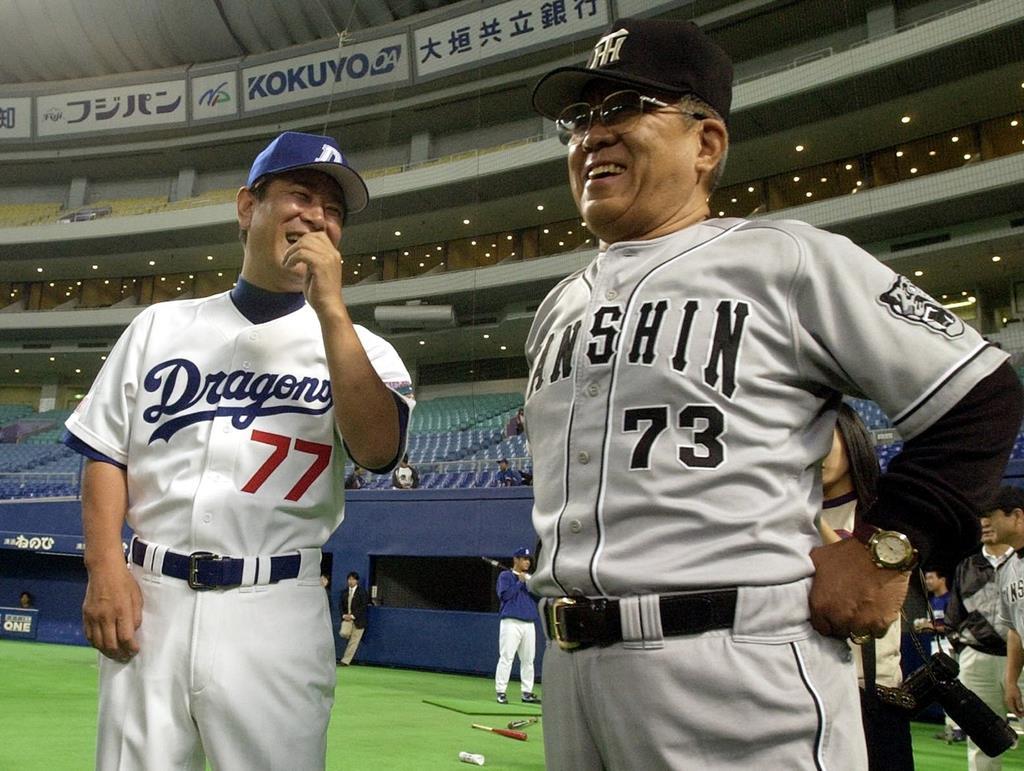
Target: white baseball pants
(515, 636)
(242, 677)
(983, 673)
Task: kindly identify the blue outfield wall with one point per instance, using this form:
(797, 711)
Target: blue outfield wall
(430, 523)
(40, 553)
(482, 522)
(490, 522)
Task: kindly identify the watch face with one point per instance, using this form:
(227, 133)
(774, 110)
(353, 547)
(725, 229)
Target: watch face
(890, 549)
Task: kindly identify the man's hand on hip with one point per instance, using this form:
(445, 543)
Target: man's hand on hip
(850, 594)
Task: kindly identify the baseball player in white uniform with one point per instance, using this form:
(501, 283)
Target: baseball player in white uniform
(682, 394)
(219, 429)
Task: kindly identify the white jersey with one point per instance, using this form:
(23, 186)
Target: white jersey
(686, 388)
(226, 427)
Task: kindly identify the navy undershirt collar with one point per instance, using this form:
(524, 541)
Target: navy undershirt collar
(260, 306)
(839, 500)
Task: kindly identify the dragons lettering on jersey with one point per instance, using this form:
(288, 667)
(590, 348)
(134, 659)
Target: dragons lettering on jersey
(182, 386)
(905, 301)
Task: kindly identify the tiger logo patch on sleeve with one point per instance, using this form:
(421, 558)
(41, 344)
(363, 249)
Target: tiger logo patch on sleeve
(907, 302)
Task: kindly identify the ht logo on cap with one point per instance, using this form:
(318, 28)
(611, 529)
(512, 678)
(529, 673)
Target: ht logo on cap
(329, 155)
(607, 49)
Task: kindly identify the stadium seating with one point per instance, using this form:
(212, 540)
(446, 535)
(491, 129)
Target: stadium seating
(38, 471)
(454, 442)
(33, 463)
(17, 214)
(51, 427)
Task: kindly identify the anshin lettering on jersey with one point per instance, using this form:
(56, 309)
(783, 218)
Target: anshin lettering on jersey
(606, 326)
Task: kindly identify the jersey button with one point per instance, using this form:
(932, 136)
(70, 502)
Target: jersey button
(575, 526)
(593, 389)
(611, 294)
(583, 457)
(207, 518)
(246, 364)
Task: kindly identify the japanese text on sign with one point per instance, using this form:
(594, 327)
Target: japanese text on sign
(144, 104)
(503, 30)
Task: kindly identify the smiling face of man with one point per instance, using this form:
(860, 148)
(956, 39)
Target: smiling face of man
(644, 182)
(292, 206)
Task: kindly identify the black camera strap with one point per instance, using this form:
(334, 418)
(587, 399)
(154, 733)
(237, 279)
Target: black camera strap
(896, 697)
(867, 659)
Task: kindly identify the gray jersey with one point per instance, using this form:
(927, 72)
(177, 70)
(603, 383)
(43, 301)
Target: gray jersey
(1011, 594)
(682, 392)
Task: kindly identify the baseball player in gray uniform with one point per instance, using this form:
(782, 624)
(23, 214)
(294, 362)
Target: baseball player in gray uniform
(682, 394)
(219, 429)
(1006, 518)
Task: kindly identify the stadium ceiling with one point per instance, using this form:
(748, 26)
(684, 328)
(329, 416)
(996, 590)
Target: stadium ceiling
(52, 40)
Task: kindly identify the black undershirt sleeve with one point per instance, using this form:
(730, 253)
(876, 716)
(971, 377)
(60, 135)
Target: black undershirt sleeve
(935, 488)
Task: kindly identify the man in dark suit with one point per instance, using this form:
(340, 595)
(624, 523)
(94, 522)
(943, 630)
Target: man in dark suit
(353, 617)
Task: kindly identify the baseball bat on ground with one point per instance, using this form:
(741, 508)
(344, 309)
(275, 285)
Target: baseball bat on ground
(513, 724)
(518, 735)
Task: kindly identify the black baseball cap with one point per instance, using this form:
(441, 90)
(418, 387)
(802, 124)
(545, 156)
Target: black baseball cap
(1006, 500)
(294, 150)
(669, 57)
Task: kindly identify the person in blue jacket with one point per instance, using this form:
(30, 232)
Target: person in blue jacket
(518, 633)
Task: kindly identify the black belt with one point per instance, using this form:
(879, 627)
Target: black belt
(577, 622)
(205, 570)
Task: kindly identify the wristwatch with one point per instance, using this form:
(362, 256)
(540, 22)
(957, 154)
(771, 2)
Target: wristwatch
(889, 549)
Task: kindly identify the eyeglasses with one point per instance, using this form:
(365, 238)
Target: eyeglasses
(619, 111)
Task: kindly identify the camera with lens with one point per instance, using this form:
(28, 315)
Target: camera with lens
(936, 681)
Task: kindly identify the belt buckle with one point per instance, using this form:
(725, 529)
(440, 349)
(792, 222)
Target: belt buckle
(193, 569)
(558, 623)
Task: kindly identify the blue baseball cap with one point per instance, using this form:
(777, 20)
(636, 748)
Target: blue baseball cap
(294, 150)
(522, 552)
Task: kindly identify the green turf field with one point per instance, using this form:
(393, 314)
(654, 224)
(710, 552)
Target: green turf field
(48, 709)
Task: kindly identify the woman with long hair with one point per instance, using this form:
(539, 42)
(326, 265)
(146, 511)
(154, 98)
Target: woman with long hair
(849, 478)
